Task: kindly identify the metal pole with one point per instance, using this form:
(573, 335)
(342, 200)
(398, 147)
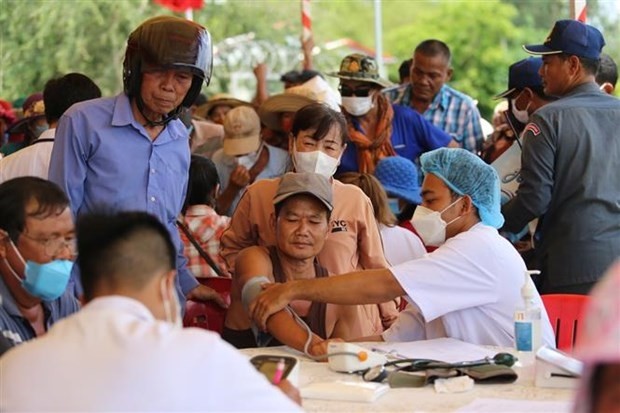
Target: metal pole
(379, 38)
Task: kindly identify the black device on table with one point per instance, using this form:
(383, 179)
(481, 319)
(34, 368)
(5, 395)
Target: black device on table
(268, 365)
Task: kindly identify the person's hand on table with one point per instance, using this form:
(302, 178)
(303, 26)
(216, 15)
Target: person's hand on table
(290, 391)
(272, 299)
(203, 293)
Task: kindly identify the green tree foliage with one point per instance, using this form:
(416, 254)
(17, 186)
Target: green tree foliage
(41, 39)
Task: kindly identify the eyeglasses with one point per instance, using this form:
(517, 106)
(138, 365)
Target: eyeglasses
(347, 91)
(52, 246)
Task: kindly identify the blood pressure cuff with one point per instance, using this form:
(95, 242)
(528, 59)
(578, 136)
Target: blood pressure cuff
(490, 374)
(250, 291)
(486, 374)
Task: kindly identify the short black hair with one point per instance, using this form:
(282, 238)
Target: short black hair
(404, 69)
(61, 93)
(589, 65)
(203, 179)
(320, 118)
(434, 47)
(17, 193)
(607, 71)
(122, 248)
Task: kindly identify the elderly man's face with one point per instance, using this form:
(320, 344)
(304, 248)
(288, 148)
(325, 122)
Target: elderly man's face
(47, 238)
(302, 227)
(163, 90)
(428, 75)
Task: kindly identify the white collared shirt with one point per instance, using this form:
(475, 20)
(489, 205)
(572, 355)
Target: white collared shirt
(114, 356)
(472, 283)
(33, 160)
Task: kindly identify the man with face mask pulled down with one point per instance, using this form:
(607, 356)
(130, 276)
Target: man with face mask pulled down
(466, 289)
(131, 151)
(125, 349)
(36, 248)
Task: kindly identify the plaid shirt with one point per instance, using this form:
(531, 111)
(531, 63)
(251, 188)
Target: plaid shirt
(207, 227)
(452, 111)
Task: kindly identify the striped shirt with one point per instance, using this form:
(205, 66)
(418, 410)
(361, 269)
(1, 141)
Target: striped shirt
(452, 111)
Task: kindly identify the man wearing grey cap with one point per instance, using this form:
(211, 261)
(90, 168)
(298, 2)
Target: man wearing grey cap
(468, 288)
(303, 205)
(570, 161)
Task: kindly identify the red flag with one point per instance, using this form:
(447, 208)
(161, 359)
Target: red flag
(180, 5)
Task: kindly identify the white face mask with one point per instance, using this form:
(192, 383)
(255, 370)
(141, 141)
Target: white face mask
(248, 161)
(171, 310)
(521, 115)
(430, 226)
(357, 106)
(315, 162)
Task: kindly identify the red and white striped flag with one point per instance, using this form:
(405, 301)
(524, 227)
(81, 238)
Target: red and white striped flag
(306, 20)
(579, 9)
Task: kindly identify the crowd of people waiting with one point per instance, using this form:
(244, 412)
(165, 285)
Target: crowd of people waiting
(380, 212)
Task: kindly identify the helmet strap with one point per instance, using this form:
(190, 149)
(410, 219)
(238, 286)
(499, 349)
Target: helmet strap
(149, 123)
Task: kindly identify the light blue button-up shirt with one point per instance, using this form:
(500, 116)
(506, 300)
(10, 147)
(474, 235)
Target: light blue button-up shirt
(103, 157)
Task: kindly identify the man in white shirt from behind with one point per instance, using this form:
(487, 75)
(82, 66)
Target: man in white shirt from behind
(59, 95)
(467, 289)
(126, 350)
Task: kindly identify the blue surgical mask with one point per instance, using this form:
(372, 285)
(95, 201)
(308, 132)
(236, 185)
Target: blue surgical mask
(47, 281)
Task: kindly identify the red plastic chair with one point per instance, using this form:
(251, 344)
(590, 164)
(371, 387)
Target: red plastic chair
(566, 313)
(209, 316)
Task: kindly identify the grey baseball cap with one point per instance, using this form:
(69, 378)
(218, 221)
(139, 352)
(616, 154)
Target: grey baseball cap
(295, 183)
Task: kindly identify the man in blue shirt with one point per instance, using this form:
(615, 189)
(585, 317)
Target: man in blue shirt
(37, 242)
(376, 128)
(427, 93)
(130, 152)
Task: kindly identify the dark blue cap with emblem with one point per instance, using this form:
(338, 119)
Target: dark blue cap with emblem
(571, 37)
(523, 74)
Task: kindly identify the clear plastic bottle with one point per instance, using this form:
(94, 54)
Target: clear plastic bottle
(527, 321)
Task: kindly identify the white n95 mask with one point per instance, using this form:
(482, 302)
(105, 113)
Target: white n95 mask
(430, 225)
(357, 106)
(315, 162)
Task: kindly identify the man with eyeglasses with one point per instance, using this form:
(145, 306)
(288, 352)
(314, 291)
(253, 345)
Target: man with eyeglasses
(378, 128)
(37, 244)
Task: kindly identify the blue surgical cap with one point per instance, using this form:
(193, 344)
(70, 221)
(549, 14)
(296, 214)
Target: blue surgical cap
(467, 174)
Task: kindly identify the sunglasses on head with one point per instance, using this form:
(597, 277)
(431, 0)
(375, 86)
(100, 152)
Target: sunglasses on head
(347, 91)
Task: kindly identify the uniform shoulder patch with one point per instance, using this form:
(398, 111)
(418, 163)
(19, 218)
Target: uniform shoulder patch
(532, 127)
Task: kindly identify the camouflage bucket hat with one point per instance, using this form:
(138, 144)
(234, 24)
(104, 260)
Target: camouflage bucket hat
(361, 68)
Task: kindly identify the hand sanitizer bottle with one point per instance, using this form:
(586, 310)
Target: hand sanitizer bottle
(527, 321)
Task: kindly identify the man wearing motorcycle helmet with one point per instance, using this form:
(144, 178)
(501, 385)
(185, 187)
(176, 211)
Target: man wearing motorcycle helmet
(131, 152)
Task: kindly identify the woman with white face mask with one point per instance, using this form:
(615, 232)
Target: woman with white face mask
(377, 128)
(317, 142)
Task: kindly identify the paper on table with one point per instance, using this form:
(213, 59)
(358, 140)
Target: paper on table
(445, 349)
(508, 405)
